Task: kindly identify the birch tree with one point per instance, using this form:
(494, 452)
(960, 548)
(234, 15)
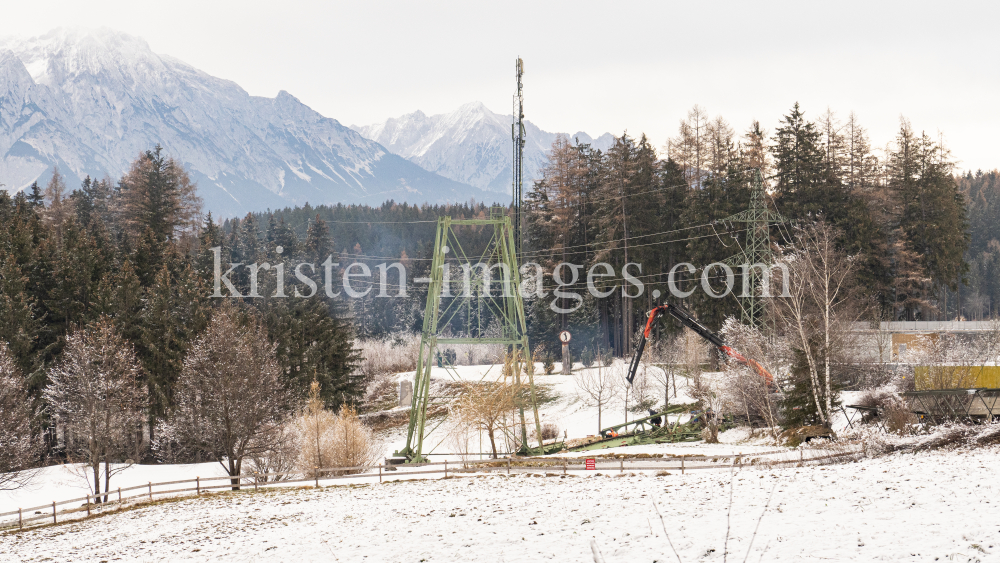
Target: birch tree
(821, 305)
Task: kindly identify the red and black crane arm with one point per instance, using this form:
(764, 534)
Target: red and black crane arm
(701, 330)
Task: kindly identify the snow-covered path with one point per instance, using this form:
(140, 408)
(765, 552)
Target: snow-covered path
(903, 507)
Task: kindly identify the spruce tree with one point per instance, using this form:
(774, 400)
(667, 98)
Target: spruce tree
(35, 196)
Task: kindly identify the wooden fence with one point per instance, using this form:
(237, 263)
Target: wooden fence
(85, 506)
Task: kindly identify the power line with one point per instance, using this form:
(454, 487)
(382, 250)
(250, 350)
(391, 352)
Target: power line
(541, 253)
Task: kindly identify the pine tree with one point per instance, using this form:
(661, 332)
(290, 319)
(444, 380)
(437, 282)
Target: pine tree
(35, 196)
(318, 245)
(210, 237)
(57, 209)
(800, 188)
(20, 326)
(313, 342)
(176, 311)
(931, 213)
(157, 194)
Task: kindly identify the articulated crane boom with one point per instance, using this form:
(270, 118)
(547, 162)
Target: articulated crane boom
(701, 330)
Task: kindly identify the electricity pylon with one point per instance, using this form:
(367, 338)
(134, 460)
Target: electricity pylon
(501, 297)
(756, 250)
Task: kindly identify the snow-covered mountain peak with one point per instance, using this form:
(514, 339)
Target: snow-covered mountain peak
(471, 144)
(66, 53)
(12, 71)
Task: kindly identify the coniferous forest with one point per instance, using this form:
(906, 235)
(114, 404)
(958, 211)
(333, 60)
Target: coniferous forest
(922, 235)
(133, 256)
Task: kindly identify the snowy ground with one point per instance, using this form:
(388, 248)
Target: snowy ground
(923, 507)
(573, 417)
(64, 482)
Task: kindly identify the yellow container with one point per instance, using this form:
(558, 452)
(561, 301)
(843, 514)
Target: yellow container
(928, 378)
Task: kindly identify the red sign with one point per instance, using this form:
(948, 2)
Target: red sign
(591, 464)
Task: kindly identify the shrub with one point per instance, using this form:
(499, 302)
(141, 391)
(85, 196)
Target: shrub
(892, 409)
(333, 440)
(550, 431)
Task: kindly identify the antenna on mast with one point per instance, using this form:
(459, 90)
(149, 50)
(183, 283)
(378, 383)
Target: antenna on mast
(517, 135)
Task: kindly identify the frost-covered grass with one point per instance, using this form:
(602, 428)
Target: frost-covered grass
(901, 507)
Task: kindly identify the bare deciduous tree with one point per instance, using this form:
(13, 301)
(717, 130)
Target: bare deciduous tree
(57, 210)
(749, 392)
(645, 392)
(280, 456)
(95, 392)
(327, 439)
(712, 399)
(821, 305)
(19, 447)
(670, 356)
(485, 406)
(231, 396)
(597, 388)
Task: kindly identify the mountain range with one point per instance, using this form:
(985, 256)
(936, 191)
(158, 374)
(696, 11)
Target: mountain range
(90, 101)
(471, 145)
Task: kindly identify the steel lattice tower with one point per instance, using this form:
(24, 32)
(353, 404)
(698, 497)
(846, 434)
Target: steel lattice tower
(502, 252)
(502, 297)
(756, 250)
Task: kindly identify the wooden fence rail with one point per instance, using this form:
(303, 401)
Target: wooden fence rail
(118, 497)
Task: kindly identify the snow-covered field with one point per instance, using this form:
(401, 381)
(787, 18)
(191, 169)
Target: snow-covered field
(939, 505)
(905, 507)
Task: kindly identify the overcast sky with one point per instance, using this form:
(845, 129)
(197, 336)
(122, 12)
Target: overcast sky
(593, 66)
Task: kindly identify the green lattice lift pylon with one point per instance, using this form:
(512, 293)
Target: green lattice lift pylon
(756, 249)
(445, 299)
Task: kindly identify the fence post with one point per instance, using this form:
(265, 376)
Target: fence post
(88, 504)
(621, 465)
(150, 491)
(316, 475)
(682, 466)
(801, 458)
(54, 512)
(20, 520)
(255, 482)
(380, 473)
(508, 466)
(119, 498)
(564, 467)
(446, 469)
(197, 485)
